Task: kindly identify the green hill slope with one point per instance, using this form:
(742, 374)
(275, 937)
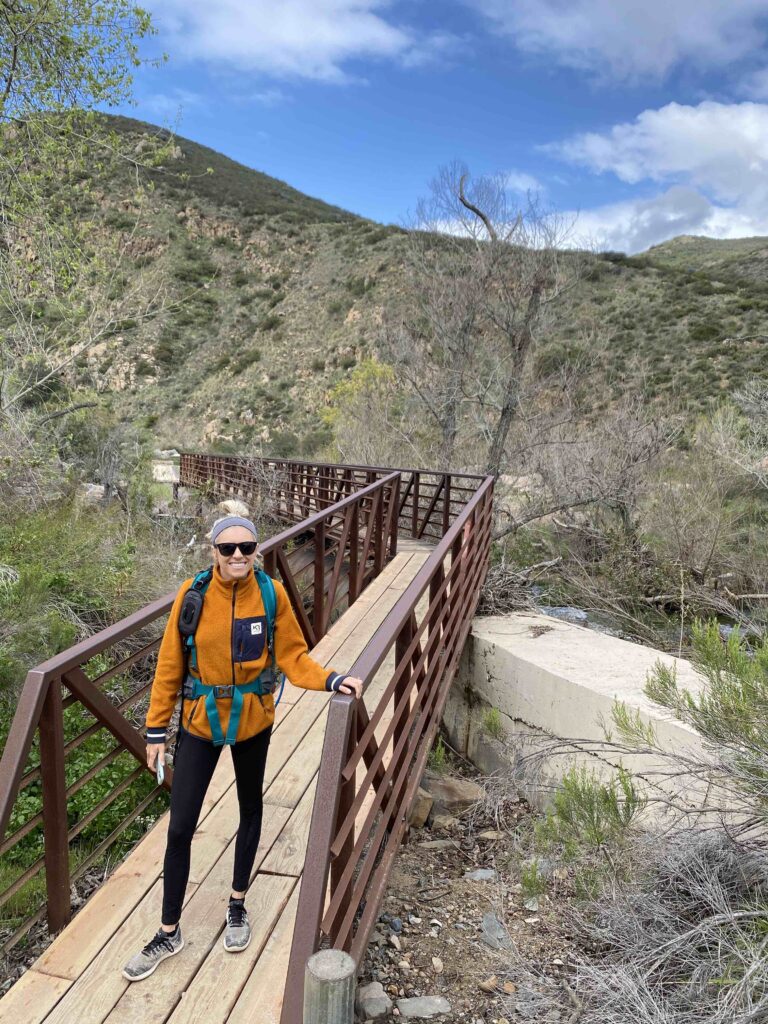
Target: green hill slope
(274, 297)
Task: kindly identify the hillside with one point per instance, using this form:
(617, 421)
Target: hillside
(727, 258)
(275, 297)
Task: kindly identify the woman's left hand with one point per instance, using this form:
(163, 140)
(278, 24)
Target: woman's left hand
(351, 685)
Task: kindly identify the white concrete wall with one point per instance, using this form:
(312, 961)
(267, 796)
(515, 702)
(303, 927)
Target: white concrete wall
(549, 678)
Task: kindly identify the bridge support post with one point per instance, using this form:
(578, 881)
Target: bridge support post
(329, 988)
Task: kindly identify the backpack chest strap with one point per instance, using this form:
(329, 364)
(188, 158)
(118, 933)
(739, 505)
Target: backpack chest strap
(264, 683)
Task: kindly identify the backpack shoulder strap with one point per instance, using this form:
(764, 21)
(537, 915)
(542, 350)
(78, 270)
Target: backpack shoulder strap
(191, 616)
(269, 597)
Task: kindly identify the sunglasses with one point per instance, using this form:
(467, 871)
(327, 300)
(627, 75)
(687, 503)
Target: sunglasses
(247, 547)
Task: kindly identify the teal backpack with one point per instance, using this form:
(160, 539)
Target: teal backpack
(194, 688)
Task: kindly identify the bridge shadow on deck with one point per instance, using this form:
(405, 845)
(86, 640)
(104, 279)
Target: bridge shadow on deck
(78, 979)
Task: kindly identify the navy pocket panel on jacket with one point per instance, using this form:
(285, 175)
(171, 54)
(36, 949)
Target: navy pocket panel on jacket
(250, 638)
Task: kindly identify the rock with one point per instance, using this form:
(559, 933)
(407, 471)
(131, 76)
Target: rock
(443, 821)
(396, 924)
(423, 1006)
(372, 1002)
(412, 919)
(544, 866)
(489, 985)
(437, 965)
(490, 835)
(438, 844)
(92, 494)
(480, 875)
(395, 941)
(451, 796)
(493, 933)
(576, 616)
(422, 805)
(532, 904)
(531, 920)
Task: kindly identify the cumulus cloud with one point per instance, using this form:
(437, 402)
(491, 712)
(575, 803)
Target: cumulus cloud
(294, 38)
(636, 224)
(631, 40)
(721, 147)
(713, 157)
(521, 182)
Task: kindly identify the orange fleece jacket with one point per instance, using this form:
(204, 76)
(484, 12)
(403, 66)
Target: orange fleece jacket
(231, 642)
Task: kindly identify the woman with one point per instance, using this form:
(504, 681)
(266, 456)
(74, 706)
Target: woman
(230, 653)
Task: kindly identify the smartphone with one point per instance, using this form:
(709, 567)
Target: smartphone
(160, 770)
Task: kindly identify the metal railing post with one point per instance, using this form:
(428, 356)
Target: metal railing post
(55, 825)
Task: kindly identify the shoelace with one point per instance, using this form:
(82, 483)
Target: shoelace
(235, 914)
(161, 940)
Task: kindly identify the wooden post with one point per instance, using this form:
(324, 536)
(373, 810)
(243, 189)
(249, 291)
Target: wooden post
(329, 988)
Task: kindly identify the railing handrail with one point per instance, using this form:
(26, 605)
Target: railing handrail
(343, 746)
(40, 701)
(336, 465)
(369, 661)
(99, 641)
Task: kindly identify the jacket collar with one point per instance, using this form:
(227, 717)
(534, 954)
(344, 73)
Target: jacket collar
(244, 585)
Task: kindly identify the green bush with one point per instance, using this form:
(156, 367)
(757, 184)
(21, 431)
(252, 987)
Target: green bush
(270, 322)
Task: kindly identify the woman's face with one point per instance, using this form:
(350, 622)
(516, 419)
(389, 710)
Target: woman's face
(237, 565)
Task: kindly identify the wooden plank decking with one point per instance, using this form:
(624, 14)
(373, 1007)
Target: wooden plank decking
(78, 978)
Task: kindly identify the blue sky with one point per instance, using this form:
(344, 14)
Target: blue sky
(641, 120)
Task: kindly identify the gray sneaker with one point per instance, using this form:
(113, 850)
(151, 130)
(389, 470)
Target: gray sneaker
(157, 949)
(237, 934)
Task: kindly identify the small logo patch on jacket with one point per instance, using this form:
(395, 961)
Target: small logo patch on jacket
(255, 628)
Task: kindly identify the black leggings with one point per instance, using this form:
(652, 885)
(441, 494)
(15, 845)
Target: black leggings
(195, 761)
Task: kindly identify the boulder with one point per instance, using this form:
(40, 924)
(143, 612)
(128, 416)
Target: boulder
(372, 1002)
(422, 805)
(451, 796)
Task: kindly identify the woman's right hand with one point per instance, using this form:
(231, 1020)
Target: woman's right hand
(154, 750)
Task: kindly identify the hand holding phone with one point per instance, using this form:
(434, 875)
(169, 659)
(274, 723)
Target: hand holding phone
(160, 770)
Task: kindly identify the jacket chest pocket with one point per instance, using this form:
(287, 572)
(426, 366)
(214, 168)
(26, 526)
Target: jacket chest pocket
(250, 638)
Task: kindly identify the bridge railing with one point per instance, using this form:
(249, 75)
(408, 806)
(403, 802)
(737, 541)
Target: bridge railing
(367, 782)
(52, 753)
(429, 501)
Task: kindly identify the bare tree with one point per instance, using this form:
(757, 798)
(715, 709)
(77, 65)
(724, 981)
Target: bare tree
(484, 277)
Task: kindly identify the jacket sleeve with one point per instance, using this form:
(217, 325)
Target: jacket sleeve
(291, 651)
(168, 672)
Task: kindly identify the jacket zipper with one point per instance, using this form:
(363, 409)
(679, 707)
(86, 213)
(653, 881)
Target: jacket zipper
(234, 590)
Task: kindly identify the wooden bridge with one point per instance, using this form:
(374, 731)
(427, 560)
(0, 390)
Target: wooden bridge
(384, 569)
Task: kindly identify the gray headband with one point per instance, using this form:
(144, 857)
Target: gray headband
(224, 524)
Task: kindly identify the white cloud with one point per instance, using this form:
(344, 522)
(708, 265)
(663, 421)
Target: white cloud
(293, 38)
(636, 224)
(712, 158)
(721, 148)
(521, 183)
(629, 39)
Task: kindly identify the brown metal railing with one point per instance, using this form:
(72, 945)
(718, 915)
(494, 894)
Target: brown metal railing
(366, 782)
(429, 501)
(324, 562)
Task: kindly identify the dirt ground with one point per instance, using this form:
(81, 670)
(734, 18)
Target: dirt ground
(430, 939)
